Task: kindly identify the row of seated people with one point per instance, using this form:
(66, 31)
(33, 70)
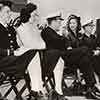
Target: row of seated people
(76, 49)
(88, 38)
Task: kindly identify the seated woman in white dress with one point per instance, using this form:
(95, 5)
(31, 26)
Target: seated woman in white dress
(28, 37)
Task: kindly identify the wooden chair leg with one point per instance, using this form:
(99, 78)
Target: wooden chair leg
(28, 81)
(18, 95)
(26, 85)
(10, 89)
(21, 92)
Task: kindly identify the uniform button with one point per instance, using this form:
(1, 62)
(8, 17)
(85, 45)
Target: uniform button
(11, 41)
(9, 35)
(11, 46)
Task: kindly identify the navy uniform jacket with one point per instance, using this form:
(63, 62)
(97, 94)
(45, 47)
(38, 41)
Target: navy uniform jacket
(52, 39)
(90, 42)
(7, 40)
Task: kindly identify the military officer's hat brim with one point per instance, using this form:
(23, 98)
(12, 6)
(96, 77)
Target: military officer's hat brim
(88, 23)
(55, 15)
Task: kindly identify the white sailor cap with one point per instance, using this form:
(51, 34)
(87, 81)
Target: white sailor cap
(89, 22)
(56, 15)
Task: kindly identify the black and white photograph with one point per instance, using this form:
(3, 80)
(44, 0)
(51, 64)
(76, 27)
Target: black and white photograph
(49, 49)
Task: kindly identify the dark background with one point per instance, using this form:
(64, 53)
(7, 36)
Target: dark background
(18, 4)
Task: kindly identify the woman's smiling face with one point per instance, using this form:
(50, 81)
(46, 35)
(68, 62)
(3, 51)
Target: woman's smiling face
(73, 24)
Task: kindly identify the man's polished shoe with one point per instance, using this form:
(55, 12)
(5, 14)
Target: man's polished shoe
(53, 95)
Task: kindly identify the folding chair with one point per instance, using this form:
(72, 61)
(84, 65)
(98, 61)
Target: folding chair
(13, 80)
(13, 75)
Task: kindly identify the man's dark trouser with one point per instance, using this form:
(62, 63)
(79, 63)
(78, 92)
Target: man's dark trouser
(48, 62)
(82, 60)
(78, 57)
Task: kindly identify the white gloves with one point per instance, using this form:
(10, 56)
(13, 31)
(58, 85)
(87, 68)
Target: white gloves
(96, 52)
(69, 48)
(21, 51)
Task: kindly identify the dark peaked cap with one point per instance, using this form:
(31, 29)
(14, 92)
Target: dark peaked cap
(6, 3)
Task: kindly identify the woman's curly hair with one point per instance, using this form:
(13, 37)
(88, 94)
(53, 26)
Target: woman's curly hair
(25, 13)
(78, 19)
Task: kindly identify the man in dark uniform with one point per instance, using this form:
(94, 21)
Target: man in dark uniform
(8, 43)
(10, 64)
(54, 44)
(89, 41)
(88, 38)
(92, 42)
